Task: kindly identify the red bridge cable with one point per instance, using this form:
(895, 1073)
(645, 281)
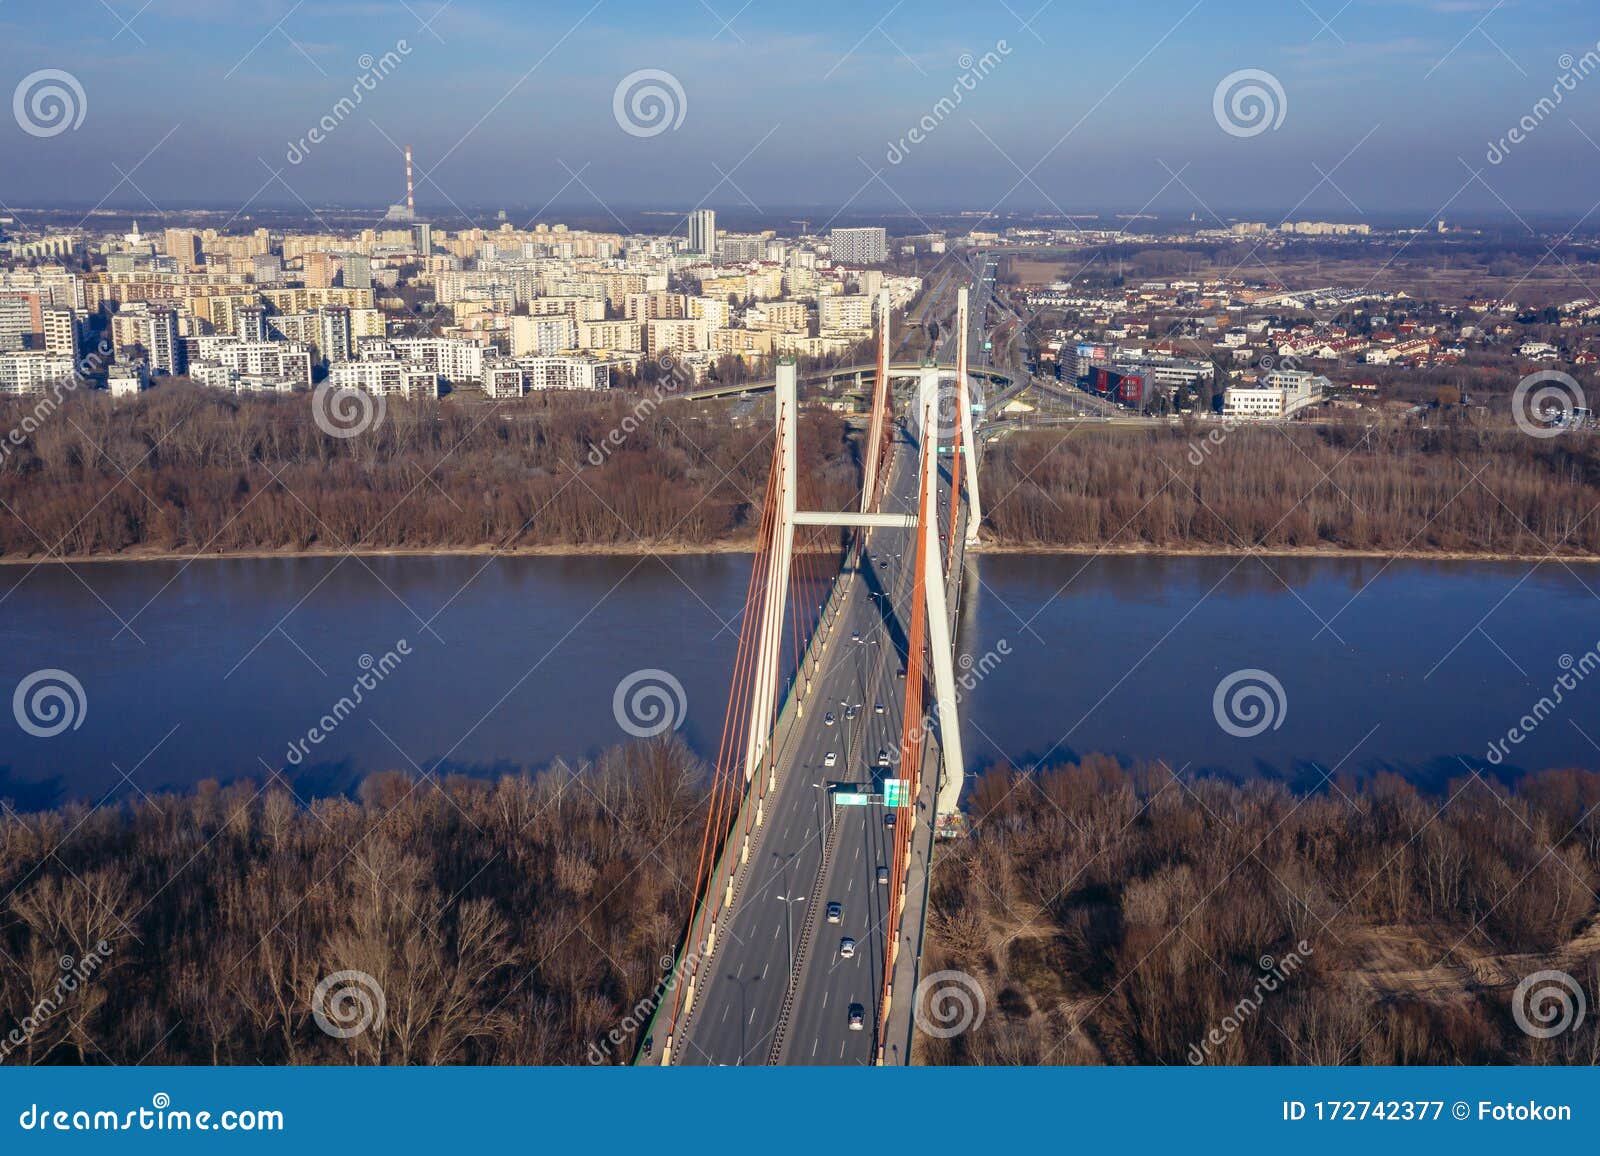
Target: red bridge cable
(724, 781)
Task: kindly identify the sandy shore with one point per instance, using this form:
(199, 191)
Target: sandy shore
(747, 546)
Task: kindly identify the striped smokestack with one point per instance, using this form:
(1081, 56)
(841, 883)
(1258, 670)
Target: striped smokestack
(411, 204)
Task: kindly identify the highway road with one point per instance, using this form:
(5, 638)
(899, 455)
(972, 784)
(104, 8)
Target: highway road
(782, 988)
(779, 918)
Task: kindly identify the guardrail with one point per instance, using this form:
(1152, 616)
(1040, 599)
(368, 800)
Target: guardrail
(784, 726)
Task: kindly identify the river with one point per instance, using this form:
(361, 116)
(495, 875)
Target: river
(220, 669)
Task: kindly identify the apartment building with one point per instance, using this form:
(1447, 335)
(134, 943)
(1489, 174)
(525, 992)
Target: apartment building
(848, 312)
(623, 335)
(503, 378)
(532, 335)
(386, 376)
(653, 306)
(666, 336)
(31, 372)
(869, 246)
(577, 308)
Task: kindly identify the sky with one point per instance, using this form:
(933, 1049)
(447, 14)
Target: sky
(1366, 108)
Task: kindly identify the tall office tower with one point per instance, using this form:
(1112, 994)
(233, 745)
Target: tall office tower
(703, 232)
(859, 246)
(422, 234)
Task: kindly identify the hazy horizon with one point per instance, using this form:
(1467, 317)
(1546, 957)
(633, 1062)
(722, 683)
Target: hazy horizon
(1376, 108)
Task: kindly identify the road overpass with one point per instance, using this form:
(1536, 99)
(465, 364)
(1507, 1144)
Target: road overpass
(867, 372)
(832, 792)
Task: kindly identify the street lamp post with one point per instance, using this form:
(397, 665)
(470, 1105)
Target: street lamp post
(744, 1020)
(822, 835)
(788, 923)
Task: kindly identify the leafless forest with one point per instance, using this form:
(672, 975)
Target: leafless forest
(1114, 916)
(186, 469)
(1108, 915)
(1344, 487)
(515, 921)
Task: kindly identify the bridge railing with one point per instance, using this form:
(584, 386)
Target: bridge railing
(756, 792)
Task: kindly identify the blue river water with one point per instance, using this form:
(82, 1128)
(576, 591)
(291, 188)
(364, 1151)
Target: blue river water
(222, 669)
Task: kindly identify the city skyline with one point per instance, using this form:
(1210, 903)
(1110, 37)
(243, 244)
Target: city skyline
(1376, 108)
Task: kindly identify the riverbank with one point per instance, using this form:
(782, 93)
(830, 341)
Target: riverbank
(608, 550)
(748, 545)
(1313, 552)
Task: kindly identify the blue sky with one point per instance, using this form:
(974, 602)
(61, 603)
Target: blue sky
(1388, 105)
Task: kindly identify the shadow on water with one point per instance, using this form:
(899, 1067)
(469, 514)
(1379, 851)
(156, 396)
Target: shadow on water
(24, 795)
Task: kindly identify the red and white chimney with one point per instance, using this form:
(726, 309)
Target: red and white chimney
(411, 204)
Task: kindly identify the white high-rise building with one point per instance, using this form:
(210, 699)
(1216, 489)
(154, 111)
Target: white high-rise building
(30, 372)
(703, 232)
(153, 330)
(531, 335)
(868, 246)
(845, 312)
(61, 327)
(333, 333)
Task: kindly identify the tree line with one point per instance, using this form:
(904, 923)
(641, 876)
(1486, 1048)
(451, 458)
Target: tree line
(187, 469)
(524, 920)
(1105, 914)
(1111, 915)
(1343, 485)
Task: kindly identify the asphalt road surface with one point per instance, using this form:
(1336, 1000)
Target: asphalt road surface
(810, 852)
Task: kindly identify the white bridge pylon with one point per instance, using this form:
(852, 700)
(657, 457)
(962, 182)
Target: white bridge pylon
(763, 707)
(880, 409)
(969, 447)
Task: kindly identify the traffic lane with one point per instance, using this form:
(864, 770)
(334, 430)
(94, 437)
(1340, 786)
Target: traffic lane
(830, 983)
(842, 981)
(865, 922)
(855, 863)
(821, 1033)
(754, 971)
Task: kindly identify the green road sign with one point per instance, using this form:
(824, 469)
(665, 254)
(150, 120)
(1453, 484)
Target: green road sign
(894, 792)
(851, 799)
